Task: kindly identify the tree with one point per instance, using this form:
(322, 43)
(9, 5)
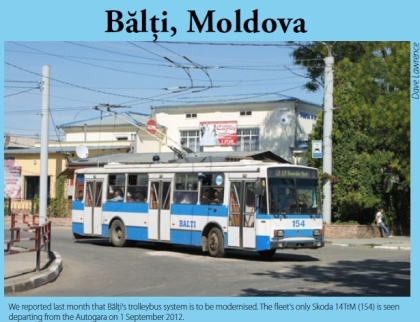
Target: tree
(371, 126)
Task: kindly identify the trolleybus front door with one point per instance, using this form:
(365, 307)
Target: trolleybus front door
(93, 207)
(159, 212)
(241, 230)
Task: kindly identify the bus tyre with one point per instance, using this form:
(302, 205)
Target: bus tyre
(117, 234)
(215, 243)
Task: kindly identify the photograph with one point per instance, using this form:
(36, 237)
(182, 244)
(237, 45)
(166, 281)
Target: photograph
(208, 162)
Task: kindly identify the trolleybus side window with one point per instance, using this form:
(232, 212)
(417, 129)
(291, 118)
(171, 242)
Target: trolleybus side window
(186, 188)
(212, 188)
(137, 187)
(116, 187)
(79, 187)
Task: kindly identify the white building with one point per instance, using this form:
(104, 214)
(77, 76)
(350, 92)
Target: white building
(270, 123)
(276, 124)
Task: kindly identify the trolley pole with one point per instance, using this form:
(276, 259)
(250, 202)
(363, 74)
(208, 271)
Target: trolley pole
(43, 178)
(328, 119)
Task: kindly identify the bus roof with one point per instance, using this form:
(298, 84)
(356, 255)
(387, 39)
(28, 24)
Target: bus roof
(237, 166)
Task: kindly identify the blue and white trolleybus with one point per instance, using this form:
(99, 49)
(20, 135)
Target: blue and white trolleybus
(249, 205)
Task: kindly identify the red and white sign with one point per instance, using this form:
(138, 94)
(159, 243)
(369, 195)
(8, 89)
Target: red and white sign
(219, 133)
(151, 126)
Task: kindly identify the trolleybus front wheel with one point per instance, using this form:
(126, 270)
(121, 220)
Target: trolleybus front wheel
(117, 234)
(215, 243)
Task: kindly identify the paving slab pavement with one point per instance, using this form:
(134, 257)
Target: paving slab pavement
(395, 243)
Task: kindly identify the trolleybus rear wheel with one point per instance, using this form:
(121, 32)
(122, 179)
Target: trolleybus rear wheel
(215, 243)
(117, 234)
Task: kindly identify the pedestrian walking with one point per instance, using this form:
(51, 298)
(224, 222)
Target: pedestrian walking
(380, 223)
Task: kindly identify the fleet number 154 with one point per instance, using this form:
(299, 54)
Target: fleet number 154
(298, 223)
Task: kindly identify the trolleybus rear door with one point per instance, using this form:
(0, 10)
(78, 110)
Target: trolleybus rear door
(93, 207)
(159, 212)
(241, 230)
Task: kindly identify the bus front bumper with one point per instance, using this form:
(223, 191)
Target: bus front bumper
(297, 242)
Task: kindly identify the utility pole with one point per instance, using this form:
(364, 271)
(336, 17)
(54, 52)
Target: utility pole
(43, 178)
(328, 120)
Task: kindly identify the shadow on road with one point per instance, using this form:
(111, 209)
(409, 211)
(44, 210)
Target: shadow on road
(196, 251)
(355, 278)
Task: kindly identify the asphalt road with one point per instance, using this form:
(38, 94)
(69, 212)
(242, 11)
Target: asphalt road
(93, 268)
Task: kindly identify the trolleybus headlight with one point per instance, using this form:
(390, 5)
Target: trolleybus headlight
(279, 233)
(317, 232)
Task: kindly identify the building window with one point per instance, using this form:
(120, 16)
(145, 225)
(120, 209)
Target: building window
(191, 115)
(245, 113)
(191, 140)
(32, 187)
(122, 138)
(248, 139)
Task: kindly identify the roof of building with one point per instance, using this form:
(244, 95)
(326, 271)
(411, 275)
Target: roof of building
(229, 100)
(120, 119)
(19, 142)
(222, 102)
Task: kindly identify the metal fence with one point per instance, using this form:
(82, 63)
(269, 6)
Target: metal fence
(26, 228)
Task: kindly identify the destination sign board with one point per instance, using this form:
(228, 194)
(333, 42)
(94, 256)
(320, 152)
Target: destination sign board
(299, 173)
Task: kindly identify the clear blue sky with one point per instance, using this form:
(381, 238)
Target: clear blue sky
(138, 75)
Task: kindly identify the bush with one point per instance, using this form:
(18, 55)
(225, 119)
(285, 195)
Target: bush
(7, 206)
(343, 223)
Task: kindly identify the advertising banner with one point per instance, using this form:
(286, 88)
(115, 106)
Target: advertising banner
(218, 133)
(12, 176)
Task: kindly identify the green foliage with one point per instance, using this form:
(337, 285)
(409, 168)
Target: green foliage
(6, 206)
(58, 206)
(345, 223)
(35, 205)
(371, 128)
